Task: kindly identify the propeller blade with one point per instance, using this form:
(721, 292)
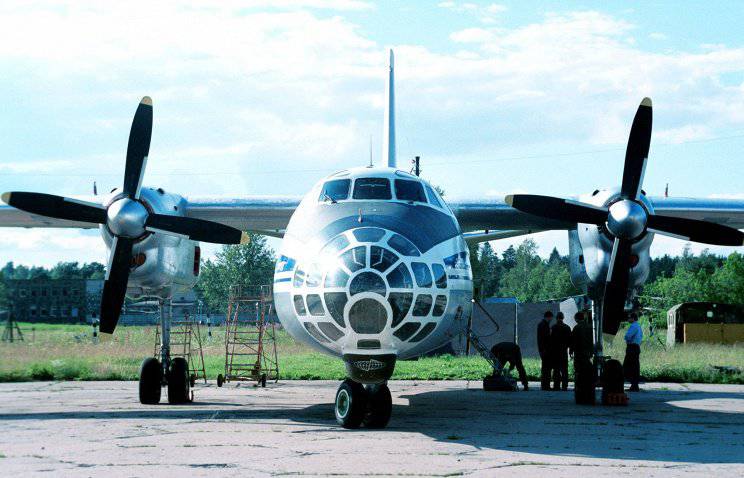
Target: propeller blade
(557, 208)
(56, 206)
(636, 154)
(115, 285)
(195, 229)
(138, 148)
(698, 231)
(616, 287)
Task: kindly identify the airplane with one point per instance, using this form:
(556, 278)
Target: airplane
(374, 264)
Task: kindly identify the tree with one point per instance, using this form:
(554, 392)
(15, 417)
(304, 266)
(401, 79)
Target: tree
(244, 264)
(523, 280)
(509, 258)
(727, 283)
(65, 270)
(491, 271)
(94, 270)
(3, 291)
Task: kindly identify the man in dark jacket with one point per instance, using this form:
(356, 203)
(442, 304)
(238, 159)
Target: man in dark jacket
(510, 353)
(582, 347)
(560, 342)
(543, 346)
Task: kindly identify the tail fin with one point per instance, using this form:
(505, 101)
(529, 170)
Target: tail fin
(388, 133)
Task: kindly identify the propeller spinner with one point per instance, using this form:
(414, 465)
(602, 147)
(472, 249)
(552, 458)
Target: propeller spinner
(126, 217)
(626, 219)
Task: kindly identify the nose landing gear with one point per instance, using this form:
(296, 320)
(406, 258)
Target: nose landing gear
(368, 405)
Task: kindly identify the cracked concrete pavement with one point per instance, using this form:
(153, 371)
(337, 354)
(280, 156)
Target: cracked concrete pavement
(438, 429)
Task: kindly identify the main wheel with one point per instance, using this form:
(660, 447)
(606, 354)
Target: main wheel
(351, 404)
(263, 380)
(178, 381)
(220, 380)
(150, 380)
(379, 406)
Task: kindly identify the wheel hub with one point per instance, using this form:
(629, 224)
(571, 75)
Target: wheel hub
(627, 219)
(126, 218)
(342, 403)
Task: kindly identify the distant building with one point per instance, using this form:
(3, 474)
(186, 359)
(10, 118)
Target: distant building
(49, 300)
(707, 322)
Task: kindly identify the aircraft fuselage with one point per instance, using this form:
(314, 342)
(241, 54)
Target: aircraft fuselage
(373, 268)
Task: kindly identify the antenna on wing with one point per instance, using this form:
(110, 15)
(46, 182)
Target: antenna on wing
(388, 133)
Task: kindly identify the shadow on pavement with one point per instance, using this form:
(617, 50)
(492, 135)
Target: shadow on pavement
(651, 428)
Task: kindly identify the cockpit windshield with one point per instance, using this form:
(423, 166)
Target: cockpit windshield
(372, 188)
(336, 190)
(406, 190)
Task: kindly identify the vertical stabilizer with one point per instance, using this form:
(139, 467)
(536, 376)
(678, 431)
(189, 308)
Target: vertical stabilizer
(388, 133)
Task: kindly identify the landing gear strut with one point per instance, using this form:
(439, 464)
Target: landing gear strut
(155, 374)
(368, 405)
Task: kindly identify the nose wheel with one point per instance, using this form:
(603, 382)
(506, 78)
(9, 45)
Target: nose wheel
(358, 405)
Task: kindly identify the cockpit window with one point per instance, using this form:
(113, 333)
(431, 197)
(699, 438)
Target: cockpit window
(372, 188)
(406, 190)
(336, 190)
(432, 196)
(403, 245)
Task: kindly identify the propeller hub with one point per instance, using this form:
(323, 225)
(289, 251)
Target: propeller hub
(126, 218)
(627, 219)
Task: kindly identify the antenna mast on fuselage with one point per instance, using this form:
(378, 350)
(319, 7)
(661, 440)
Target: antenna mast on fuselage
(388, 133)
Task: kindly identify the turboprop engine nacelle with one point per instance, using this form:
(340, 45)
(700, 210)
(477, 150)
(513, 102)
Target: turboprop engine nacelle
(590, 248)
(160, 262)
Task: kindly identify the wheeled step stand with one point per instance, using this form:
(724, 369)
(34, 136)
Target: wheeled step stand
(186, 342)
(250, 337)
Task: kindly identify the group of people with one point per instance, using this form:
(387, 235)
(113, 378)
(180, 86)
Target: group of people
(557, 341)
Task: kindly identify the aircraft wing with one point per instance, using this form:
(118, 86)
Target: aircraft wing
(266, 215)
(497, 216)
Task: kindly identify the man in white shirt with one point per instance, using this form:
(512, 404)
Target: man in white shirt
(632, 363)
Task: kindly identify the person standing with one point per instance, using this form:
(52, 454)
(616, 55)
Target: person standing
(560, 342)
(582, 348)
(543, 346)
(510, 353)
(632, 362)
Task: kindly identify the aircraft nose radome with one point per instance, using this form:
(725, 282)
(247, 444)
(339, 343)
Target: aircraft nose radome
(369, 290)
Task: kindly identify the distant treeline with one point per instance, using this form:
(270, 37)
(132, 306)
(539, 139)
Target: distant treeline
(63, 270)
(519, 272)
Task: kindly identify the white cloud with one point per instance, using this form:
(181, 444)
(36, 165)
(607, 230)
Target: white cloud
(471, 35)
(240, 92)
(683, 134)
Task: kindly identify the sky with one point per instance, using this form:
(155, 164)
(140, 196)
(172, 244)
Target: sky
(267, 97)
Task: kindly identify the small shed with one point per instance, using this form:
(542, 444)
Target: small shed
(708, 322)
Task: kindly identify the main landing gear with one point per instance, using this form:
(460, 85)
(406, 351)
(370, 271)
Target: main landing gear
(166, 372)
(368, 405)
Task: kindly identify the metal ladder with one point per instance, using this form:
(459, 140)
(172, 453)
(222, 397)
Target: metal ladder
(480, 347)
(185, 341)
(250, 343)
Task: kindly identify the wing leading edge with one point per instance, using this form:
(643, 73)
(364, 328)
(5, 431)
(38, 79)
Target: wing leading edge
(495, 214)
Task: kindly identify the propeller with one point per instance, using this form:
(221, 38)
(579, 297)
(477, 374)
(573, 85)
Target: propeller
(626, 219)
(126, 218)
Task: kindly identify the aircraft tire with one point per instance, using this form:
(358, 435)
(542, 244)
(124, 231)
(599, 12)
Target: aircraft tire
(150, 381)
(178, 381)
(379, 406)
(351, 404)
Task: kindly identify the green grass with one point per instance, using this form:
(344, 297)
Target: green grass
(66, 352)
